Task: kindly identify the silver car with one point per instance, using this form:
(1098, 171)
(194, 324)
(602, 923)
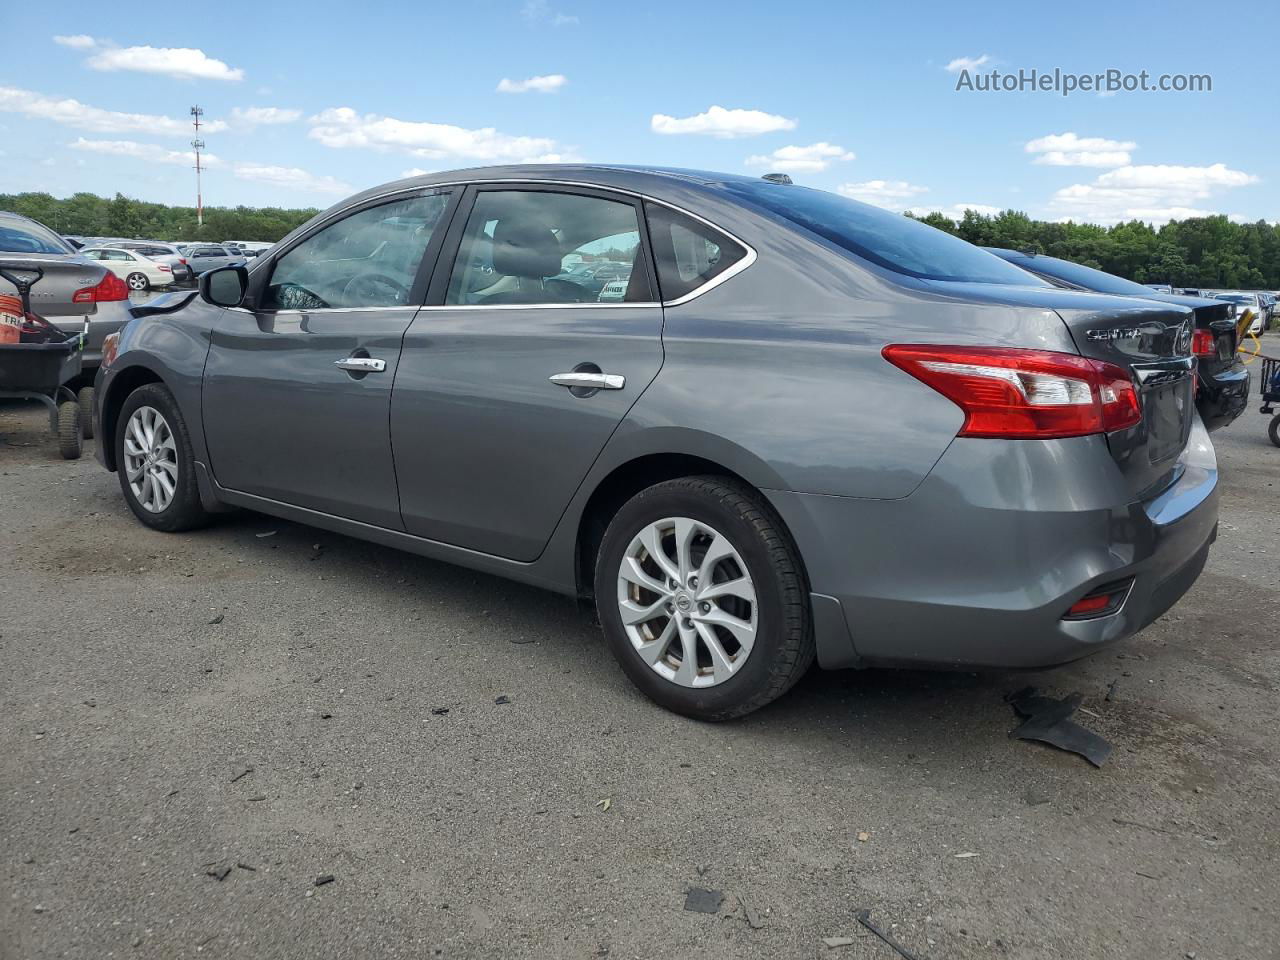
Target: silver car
(74, 288)
(810, 429)
(203, 257)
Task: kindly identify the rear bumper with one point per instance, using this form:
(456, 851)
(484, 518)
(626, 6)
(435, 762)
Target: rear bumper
(978, 566)
(1222, 394)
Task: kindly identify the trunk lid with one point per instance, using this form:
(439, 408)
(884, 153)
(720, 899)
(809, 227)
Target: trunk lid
(1152, 342)
(64, 274)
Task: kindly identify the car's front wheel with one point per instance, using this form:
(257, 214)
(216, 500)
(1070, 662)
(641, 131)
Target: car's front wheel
(155, 463)
(703, 598)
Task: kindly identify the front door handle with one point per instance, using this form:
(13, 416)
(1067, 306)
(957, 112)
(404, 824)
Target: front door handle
(361, 364)
(589, 381)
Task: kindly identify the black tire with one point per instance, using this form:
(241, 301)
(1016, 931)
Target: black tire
(783, 648)
(85, 397)
(70, 430)
(1273, 430)
(185, 511)
(138, 281)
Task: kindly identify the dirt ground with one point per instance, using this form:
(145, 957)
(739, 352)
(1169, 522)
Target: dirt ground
(288, 704)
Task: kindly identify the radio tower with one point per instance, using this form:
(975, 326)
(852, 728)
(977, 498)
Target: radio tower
(197, 144)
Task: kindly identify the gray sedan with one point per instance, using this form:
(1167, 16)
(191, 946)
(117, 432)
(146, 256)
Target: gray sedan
(808, 428)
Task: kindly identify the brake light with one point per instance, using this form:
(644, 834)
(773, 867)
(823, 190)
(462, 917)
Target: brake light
(1203, 344)
(109, 288)
(1024, 394)
(164, 268)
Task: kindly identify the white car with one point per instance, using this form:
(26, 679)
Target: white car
(137, 271)
(1246, 301)
(159, 252)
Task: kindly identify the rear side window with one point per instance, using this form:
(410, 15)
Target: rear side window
(890, 240)
(20, 237)
(687, 252)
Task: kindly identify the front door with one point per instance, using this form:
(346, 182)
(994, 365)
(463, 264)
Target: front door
(297, 390)
(510, 386)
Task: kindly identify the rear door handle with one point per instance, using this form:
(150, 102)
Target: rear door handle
(361, 364)
(589, 381)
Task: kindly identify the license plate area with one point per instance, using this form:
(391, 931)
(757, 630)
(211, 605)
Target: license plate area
(1168, 413)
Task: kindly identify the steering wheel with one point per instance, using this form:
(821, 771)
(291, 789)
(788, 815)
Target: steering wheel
(292, 296)
(375, 289)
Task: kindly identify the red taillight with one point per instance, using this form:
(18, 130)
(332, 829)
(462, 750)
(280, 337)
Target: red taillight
(1203, 343)
(109, 288)
(1028, 394)
(164, 268)
(183, 261)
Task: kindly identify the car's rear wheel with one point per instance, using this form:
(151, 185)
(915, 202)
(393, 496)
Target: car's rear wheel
(137, 281)
(155, 463)
(703, 598)
(70, 430)
(1273, 430)
(84, 396)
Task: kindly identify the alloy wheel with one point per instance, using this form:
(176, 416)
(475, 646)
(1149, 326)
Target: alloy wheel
(150, 459)
(137, 281)
(687, 602)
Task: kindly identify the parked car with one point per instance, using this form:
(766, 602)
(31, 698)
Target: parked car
(160, 253)
(74, 289)
(1159, 287)
(813, 428)
(138, 272)
(1246, 301)
(1222, 377)
(203, 257)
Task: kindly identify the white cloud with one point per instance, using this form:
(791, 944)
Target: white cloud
(148, 152)
(811, 159)
(890, 194)
(1069, 150)
(73, 113)
(1153, 192)
(343, 127)
(293, 178)
(415, 172)
(719, 122)
(956, 211)
(182, 62)
(966, 63)
(262, 116)
(77, 41)
(545, 84)
(539, 11)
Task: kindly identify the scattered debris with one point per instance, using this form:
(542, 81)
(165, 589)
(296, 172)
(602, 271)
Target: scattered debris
(217, 619)
(965, 856)
(243, 773)
(326, 716)
(1047, 720)
(864, 918)
(698, 900)
(257, 797)
(502, 699)
(263, 536)
(219, 873)
(323, 879)
(439, 711)
(521, 640)
(1144, 826)
(753, 918)
(863, 836)
(245, 866)
(39, 908)
(605, 804)
(837, 941)
(1145, 875)
(1034, 798)
(1111, 690)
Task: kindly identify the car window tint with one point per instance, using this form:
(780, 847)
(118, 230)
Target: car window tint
(29, 238)
(534, 246)
(368, 259)
(686, 252)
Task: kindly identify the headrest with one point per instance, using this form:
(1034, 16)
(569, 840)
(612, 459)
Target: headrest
(524, 249)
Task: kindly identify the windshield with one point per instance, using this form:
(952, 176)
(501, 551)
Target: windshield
(1079, 275)
(18, 236)
(1234, 298)
(890, 240)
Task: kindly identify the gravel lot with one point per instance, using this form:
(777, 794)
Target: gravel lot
(142, 674)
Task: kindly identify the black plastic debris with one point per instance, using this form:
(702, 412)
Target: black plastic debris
(323, 879)
(439, 711)
(502, 699)
(698, 900)
(864, 918)
(1048, 721)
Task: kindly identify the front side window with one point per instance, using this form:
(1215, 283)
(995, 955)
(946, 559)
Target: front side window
(538, 247)
(367, 259)
(687, 253)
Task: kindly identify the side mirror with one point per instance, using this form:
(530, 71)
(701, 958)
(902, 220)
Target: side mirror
(225, 287)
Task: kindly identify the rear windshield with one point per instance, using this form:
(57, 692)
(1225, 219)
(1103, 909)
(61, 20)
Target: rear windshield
(888, 239)
(1079, 275)
(19, 237)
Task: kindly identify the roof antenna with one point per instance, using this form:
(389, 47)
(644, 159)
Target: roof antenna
(777, 178)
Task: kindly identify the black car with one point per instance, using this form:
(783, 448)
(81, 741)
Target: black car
(1222, 379)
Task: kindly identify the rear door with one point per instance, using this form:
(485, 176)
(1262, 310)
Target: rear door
(297, 390)
(513, 378)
